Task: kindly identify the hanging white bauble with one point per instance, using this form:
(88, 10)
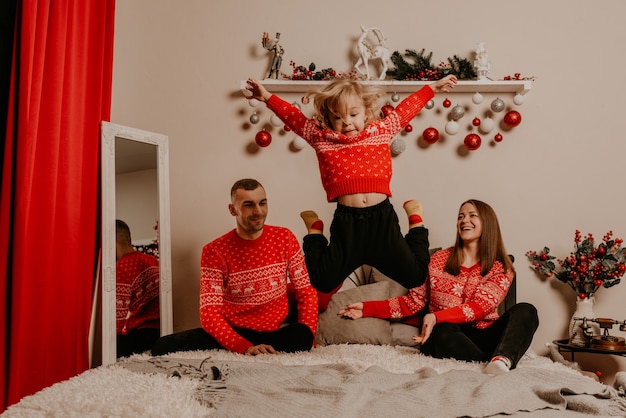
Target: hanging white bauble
(298, 142)
(518, 99)
(452, 127)
(477, 98)
(397, 146)
(430, 104)
(253, 102)
(275, 120)
(254, 118)
(395, 97)
(457, 112)
(487, 125)
(497, 105)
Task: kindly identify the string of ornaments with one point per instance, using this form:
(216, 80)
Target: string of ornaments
(472, 140)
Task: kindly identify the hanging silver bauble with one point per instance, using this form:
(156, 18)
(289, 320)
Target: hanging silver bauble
(497, 105)
(296, 104)
(430, 104)
(457, 112)
(397, 146)
(254, 118)
(395, 97)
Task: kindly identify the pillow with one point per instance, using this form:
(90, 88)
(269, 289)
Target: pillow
(334, 329)
(395, 288)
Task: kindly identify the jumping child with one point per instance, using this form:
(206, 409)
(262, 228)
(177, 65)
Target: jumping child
(352, 148)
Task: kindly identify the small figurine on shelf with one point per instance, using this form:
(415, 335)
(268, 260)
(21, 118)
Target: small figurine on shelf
(368, 51)
(278, 51)
(482, 65)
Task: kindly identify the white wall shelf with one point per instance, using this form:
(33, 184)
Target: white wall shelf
(396, 86)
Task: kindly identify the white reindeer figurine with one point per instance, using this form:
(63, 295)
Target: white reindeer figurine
(368, 52)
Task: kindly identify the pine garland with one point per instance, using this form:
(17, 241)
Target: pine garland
(419, 67)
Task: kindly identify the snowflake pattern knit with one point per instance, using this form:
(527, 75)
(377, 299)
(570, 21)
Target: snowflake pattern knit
(466, 298)
(137, 292)
(244, 283)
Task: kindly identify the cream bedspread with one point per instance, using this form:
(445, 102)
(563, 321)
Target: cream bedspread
(332, 381)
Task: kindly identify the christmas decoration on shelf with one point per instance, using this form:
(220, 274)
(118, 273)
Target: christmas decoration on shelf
(301, 72)
(422, 69)
(517, 76)
(482, 65)
(409, 66)
(372, 51)
(277, 50)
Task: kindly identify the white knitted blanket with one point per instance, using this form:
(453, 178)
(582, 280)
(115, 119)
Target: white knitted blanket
(332, 381)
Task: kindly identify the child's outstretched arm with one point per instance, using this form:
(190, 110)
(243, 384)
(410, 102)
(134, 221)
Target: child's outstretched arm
(445, 84)
(258, 91)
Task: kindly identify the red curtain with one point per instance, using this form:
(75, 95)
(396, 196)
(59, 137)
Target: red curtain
(60, 91)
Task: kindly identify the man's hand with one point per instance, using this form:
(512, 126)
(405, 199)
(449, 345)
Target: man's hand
(260, 349)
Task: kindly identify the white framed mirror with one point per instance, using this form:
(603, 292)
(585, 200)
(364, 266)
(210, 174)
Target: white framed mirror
(141, 154)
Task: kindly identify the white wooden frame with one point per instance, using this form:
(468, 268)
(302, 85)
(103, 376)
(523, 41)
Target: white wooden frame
(109, 133)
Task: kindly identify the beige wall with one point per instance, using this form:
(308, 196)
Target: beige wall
(177, 70)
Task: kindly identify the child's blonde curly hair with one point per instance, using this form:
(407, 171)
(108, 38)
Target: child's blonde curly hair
(333, 98)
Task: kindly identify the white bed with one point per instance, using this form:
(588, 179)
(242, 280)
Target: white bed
(341, 380)
(378, 376)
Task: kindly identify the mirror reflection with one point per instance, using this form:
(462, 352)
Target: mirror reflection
(137, 247)
(135, 290)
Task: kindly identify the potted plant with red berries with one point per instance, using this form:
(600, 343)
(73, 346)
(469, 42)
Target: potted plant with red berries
(585, 270)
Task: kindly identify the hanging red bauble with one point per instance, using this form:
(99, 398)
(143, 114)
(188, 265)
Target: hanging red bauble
(386, 109)
(408, 128)
(497, 137)
(447, 103)
(472, 142)
(430, 135)
(476, 121)
(286, 128)
(512, 118)
(263, 138)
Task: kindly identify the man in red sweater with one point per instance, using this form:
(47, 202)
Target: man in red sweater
(137, 295)
(247, 278)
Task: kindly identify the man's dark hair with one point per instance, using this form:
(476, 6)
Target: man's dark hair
(122, 232)
(246, 184)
